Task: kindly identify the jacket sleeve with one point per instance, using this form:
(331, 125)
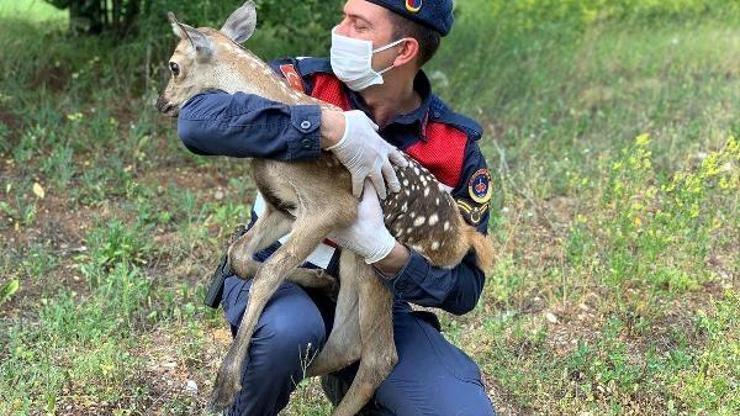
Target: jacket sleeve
(247, 125)
(455, 290)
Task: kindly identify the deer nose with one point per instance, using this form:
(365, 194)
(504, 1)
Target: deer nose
(162, 105)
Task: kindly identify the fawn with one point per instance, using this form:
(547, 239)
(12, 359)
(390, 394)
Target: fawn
(309, 199)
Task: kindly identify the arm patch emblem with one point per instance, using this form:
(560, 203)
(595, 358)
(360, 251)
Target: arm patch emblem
(291, 75)
(473, 213)
(480, 186)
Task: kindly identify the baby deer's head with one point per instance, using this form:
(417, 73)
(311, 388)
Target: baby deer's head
(206, 59)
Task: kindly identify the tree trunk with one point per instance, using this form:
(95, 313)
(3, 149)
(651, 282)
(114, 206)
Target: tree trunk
(85, 17)
(96, 16)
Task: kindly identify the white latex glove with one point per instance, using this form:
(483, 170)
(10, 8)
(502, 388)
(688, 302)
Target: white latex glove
(365, 154)
(367, 236)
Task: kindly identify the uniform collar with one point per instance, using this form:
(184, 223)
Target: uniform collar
(416, 118)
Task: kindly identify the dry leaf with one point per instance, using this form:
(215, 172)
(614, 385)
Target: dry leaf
(38, 190)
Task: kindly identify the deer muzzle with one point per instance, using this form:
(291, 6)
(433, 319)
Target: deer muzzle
(165, 107)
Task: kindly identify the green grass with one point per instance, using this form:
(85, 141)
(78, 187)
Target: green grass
(32, 10)
(612, 133)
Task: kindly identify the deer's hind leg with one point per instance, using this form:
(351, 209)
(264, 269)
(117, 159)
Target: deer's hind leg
(307, 234)
(343, 347)
(379, 354)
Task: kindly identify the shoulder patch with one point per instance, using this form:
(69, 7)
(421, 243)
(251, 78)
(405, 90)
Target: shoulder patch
(480, 186)
(291, 75)
(472, 212)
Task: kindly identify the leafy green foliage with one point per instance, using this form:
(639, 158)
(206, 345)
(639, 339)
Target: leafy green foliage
(611, 129)
(643, 225)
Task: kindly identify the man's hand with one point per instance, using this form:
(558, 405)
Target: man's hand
(367, 236)
(362, 151)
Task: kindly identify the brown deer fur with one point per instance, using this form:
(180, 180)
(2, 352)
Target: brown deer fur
(310, 199)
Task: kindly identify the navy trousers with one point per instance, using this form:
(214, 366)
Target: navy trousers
(432, 377)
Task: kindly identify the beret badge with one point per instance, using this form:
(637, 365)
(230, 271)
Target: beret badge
(414, 6)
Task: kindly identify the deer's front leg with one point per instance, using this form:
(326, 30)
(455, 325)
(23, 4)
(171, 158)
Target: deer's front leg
(307, 233)
(272, 225)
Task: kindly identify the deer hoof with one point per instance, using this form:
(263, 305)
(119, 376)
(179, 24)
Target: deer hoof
(224, 392)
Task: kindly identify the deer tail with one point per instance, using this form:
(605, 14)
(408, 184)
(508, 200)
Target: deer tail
(483, 246)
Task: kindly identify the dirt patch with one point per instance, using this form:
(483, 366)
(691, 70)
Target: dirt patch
(58, 232)
(54, 78)
(207, 179)
(12, 121)
(177, 376)
(503, 401)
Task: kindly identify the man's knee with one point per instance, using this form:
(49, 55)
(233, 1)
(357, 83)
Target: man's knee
(464, 399)
(448, 397)
(289, 339)
(290, 330)
(432, 376)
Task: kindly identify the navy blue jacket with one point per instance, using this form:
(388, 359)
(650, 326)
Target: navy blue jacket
(246, 125)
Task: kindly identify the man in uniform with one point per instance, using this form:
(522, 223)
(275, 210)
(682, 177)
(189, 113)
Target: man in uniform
(374, 75)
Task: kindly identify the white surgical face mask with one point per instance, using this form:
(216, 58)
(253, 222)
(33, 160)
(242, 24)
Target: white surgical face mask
(351, 61)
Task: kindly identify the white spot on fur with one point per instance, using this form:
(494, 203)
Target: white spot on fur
(435, 245)
(433, 219)
(426, 192)
(446, 225)
(405, 182)
(436, 201)
(419, 220)
(405, 206)
(412, 214)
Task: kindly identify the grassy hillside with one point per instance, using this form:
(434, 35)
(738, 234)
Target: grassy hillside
(611, 128)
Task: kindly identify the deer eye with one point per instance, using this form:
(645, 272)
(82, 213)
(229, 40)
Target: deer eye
(175, 68)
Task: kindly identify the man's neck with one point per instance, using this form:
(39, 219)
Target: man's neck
(395, 96)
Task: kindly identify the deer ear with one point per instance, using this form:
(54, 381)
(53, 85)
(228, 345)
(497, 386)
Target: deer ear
(199, 41)
(240, 25)
(176, 29)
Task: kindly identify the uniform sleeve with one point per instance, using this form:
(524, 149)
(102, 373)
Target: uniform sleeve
(247, 125)
(455, 290)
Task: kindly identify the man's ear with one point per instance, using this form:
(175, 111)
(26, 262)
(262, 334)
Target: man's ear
(409, 53)
(199, 41)
(240, 25)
